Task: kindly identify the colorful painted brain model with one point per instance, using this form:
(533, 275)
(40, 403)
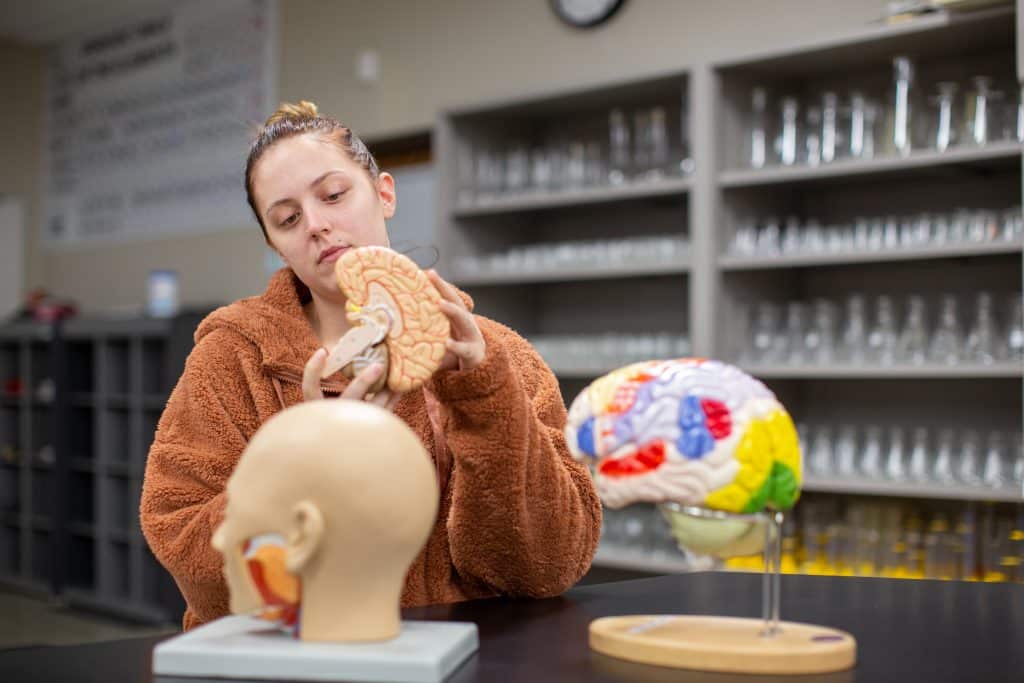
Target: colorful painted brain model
(692, 431)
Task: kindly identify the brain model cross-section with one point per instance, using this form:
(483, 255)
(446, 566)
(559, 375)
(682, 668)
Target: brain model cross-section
(396, 318)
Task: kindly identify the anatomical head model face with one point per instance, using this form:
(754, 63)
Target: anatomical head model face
(328, 506)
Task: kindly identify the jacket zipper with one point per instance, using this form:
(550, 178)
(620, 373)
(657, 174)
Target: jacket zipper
(296, 378)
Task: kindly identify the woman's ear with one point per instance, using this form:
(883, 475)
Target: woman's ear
(305, 534)
(386, 192)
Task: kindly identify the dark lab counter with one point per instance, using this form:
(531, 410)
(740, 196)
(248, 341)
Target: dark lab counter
(929, 631)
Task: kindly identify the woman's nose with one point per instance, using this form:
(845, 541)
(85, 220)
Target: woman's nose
(316, 222)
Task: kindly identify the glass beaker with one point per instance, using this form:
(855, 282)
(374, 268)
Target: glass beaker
(980, 111)
(945, 126)
(831, 133)
(882, 339)
(917, 468)
(946, 343)
(812, 136)
(980, 346)
(619, 147)
(789, 133)
(658, 144)
(902, 106)
(913, 342)
(854, 338)
(757, 154)
(895, 459)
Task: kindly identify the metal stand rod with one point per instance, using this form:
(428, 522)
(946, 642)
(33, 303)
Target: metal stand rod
(771, 582)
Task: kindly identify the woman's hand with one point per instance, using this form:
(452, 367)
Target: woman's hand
(357, 388)
(466, 348)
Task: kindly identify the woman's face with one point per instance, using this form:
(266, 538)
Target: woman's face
(316, 203)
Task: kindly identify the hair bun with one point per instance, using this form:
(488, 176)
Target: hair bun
(287, 111)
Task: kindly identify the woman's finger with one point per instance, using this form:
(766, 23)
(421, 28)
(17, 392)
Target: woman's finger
(311, 390)
(386, 399)
(467, 351)
(447, 292)
(462, 320)
(380, 398)
(358, 387)
(393, 401)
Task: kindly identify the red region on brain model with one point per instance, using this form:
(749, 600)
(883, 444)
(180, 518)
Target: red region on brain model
(646, 458)
(718, 418)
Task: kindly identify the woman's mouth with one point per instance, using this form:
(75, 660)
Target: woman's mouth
(332, 254)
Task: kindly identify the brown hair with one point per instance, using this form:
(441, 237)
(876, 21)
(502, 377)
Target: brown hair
(298, 119)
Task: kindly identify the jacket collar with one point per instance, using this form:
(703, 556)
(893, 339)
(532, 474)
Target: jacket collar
(274, 322)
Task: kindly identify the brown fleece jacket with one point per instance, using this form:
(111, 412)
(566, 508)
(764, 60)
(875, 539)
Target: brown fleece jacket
(518, 516)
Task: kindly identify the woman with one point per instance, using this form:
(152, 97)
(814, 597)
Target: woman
(518, 516)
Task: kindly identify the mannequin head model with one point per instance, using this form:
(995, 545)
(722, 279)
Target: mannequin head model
(352, 495)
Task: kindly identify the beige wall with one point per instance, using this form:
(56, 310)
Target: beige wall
(434, 54)
(21, 129)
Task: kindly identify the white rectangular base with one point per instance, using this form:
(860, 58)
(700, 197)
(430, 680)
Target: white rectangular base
(247, 647)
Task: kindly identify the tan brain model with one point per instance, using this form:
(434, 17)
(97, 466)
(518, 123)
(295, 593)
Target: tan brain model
(389, 292)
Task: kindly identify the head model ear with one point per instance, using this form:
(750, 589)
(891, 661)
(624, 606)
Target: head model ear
(377, 279)
(305, 534)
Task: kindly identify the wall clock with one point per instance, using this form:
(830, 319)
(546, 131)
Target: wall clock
(585, 13)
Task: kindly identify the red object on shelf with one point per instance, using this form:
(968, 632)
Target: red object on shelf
(13, 387)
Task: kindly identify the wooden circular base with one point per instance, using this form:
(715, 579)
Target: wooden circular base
(723, 644)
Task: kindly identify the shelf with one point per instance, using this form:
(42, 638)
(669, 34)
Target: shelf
(83, 400)
(934, 35)
(25, 586)
(12, 519)
(585, 373)
(727, 262)
(126, 328)
(628, 558)
(154, 401)
(120, 536)
(119, 401)
(910, 490)
(119, 469)
(82, 529)
(573, 274)
(997, 370)
(581, 197)
(41, 523)
(994, 154)
(83, 465)
(26, 330)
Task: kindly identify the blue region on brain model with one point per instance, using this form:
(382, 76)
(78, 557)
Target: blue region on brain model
(585, 438)
(695, 440)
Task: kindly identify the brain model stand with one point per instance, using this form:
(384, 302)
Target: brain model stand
(719, 455)
(396, 319)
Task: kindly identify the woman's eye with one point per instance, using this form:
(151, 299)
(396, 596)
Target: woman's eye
(290, 220)
(335, 196)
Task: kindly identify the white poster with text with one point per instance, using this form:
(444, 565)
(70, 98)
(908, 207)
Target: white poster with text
(149, 123)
